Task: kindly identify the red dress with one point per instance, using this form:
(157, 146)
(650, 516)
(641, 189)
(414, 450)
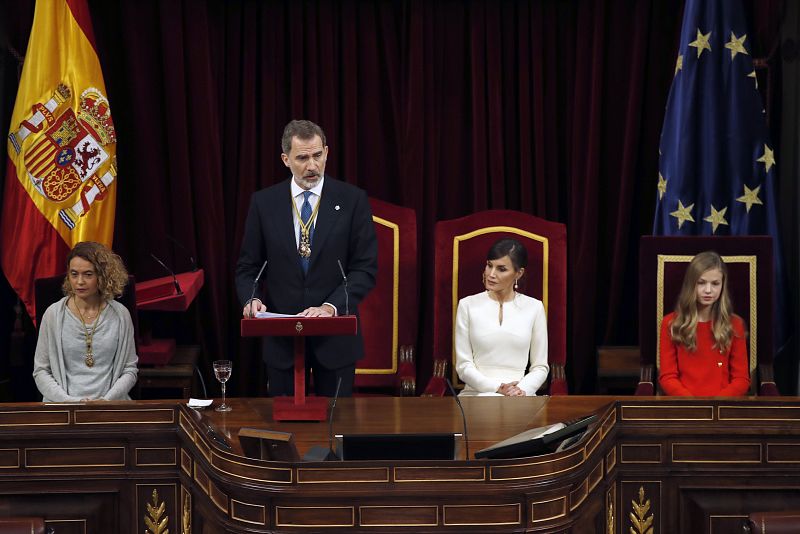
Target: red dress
(706, 372)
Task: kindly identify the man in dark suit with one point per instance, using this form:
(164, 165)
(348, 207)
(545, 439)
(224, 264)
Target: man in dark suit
(303, 227)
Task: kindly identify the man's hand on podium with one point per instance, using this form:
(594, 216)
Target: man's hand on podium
(257, 306)
(326, 310)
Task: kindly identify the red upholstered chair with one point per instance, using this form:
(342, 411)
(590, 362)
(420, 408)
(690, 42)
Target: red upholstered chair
(662, 264)
(460, 255)
(389, 313)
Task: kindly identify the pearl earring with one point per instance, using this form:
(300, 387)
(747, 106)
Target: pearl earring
(516, 284)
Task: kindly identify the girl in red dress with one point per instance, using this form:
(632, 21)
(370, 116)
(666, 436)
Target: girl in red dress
(703, 346)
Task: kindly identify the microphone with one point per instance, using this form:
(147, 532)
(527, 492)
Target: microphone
(463, 417)
(331, 453)
(255, 284)
(346, 294)
(184, 249)
(174, 278)
(318, 453)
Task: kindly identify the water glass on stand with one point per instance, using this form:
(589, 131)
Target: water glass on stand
(222, 370)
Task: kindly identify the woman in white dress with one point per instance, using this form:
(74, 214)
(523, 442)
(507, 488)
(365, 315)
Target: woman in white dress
(501, 335)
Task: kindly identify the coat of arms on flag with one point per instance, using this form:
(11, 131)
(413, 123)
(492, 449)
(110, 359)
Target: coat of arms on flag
(66, 153)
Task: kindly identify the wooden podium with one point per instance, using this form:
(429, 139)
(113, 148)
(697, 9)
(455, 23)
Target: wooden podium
(300, 407)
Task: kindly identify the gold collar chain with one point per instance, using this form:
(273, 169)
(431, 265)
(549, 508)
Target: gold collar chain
(89, 357)
(304, 245)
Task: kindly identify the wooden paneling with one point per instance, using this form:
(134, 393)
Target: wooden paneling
(680, 465)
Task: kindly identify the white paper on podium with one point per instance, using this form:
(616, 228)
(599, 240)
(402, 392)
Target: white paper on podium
(270, 315)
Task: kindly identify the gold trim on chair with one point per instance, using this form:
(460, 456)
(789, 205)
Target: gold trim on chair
(395, 297)
(750, 260)
(490, 230)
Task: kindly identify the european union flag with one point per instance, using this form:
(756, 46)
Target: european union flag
(717, 171)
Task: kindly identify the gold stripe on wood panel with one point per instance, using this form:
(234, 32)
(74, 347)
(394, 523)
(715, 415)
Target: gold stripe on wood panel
(201, 478)
(611, 459)
(248, 512)
(186, 462)
(335, 475)
(710, 453)
(9, 458)
(578, 495)
(80, 455)
(548, 509)
(596, 475)
(667, 413)
(572, 461)
(123, 417)
(783, 453)
(145, 451)
(217, 496)
(394, 516)
(34, 418)
(758, 413)
(636, 453)
(482, 514)
(303, 516)
(439, 474)
(276, 475)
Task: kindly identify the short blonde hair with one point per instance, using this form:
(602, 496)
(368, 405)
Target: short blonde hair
(112, 277)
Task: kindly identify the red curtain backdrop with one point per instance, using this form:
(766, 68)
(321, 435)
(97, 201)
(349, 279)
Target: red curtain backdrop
(545, 106)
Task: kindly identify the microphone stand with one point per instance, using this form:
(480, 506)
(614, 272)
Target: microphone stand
(346, 293)
(463, 417)
(255, 284)
(174, 278)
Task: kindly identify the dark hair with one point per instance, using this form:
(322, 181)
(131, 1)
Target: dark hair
(305, 130)
(512, 248)
(111, 274)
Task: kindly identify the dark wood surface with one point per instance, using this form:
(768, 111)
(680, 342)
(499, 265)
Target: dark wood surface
(683, 465)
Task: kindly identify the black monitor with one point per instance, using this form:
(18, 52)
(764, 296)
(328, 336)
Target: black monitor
(536, 441)
(435, 446)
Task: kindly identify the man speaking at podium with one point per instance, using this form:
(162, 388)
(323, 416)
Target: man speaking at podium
(304, 228)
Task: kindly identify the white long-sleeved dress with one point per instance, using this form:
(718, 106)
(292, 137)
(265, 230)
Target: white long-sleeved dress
(489, 354)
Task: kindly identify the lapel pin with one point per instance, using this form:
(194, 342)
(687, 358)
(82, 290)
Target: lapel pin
(336, 207)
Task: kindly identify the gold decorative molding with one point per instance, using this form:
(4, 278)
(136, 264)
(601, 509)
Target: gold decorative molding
(186, 511)
(395, 228)
(641, 521)
(156, 519)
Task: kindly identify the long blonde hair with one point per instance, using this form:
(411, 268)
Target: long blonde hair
(684, 325)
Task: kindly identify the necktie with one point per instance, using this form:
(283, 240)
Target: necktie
(305, 215)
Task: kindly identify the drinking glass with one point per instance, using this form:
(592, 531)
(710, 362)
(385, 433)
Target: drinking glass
(222, 370)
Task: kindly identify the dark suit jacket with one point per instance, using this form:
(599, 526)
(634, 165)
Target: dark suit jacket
(344, 231)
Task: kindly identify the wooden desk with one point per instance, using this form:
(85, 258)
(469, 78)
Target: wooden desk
(694, 465)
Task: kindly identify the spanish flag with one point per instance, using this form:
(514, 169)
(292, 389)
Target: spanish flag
(60, 184)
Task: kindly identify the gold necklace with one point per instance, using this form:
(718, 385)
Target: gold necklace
(89, 358)
(304, 245)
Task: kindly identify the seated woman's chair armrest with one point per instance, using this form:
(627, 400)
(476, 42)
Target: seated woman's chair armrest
(645, 386)
(558, 380)
(407, 371)
(766, 381)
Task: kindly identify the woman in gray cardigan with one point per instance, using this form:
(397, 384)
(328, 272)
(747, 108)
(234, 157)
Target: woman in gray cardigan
(86, 348)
